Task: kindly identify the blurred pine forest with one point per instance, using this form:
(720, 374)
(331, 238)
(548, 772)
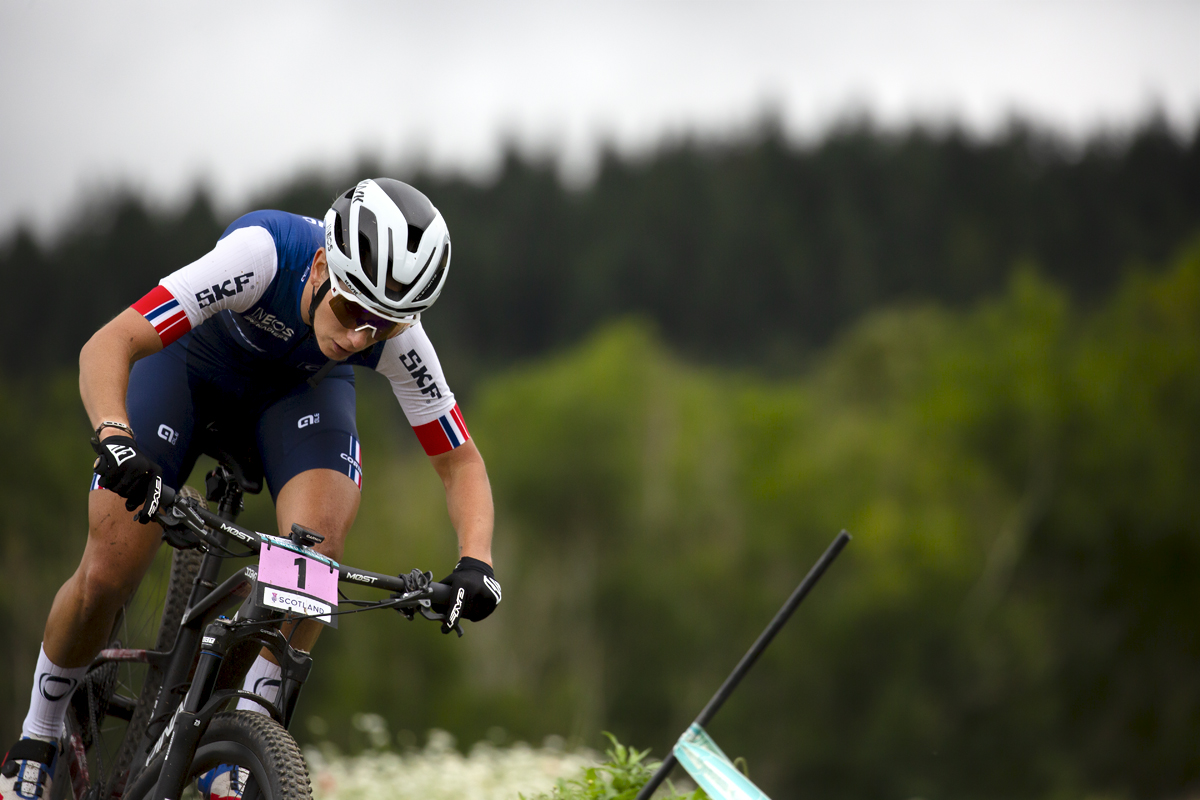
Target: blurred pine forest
(980, 357)
(756, 251)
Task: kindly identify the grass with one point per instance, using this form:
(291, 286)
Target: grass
(620, 777)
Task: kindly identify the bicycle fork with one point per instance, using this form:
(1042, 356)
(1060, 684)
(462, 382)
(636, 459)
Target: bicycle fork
(182, 734)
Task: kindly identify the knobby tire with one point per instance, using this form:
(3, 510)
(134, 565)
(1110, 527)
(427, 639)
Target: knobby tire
(244, 739)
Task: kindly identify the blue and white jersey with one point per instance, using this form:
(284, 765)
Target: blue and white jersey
(237, 311)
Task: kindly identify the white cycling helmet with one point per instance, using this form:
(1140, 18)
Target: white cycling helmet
(387, 248)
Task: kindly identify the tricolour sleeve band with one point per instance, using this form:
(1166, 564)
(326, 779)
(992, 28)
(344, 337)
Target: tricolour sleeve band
(163, 311)
(443, 434)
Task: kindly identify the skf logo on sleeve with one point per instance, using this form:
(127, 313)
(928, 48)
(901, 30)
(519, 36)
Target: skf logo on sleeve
(420, 373)
(221, 291)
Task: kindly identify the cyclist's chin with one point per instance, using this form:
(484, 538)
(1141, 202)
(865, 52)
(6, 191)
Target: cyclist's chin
(335, 351)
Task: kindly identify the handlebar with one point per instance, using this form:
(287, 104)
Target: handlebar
(196, 519)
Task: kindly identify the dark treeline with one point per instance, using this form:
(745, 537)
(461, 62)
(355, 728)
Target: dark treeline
(758, 249)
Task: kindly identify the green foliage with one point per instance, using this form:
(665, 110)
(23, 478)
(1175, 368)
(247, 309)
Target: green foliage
(621, 777)
(1014, 477)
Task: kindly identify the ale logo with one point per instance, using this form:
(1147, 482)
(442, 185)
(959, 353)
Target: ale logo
(168, 434)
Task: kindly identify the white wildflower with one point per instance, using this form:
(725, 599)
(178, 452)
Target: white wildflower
(440, 772)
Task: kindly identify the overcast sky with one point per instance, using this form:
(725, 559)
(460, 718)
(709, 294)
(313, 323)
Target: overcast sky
(243, 94)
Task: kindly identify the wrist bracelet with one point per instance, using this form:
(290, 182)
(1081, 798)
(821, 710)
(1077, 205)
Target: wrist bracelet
(111, 424)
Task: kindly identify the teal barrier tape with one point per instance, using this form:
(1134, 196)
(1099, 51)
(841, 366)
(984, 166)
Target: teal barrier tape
(712, 769)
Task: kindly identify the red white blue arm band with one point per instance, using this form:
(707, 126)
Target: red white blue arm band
(443, 434)
(163, 311)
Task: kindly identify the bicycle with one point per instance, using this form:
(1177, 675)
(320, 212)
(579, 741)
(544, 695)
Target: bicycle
(176, 727)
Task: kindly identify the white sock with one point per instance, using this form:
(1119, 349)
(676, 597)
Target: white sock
(52, 688)
(263, 680)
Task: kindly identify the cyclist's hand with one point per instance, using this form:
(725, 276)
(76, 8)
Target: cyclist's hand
(476, 591)
(129, 472)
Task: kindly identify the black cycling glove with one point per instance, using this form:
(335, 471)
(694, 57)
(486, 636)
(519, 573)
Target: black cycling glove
(130, 473)
(476, 591)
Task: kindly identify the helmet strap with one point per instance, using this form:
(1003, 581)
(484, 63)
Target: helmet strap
(317, 297)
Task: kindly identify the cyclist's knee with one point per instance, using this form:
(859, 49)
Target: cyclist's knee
(103, 584)
(323, 500)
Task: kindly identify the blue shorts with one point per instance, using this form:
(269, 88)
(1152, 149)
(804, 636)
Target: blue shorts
(174, 397)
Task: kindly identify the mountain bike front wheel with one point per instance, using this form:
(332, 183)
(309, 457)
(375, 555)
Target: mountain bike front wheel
(267, 756)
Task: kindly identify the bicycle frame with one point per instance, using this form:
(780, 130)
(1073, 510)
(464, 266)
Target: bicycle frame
(206, 639)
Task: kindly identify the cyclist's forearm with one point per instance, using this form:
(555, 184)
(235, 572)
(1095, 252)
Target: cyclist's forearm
(471, 513)
(104, 364)
(468, 500)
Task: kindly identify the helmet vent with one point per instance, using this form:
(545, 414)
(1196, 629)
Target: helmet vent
(391, 253)
(339, 234)
(365, 256)
(414, 238)
(368, 252)
(437, 276)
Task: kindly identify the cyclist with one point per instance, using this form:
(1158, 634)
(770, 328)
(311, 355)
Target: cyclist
(254, 342)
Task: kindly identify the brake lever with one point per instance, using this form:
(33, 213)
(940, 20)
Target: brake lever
(429, 613)
(414, 582)
(419, 581)
(178, 521)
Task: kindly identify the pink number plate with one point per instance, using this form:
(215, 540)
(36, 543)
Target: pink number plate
(297, 579)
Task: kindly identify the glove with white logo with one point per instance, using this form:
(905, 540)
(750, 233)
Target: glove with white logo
(129, 472)
(476, 591)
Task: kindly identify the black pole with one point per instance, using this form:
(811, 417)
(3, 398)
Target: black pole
(748, 660)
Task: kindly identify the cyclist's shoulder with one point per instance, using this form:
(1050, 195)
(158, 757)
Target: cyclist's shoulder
(297, 238)
(280, 224)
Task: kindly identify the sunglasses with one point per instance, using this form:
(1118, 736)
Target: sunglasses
(355, 317)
